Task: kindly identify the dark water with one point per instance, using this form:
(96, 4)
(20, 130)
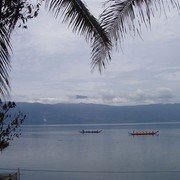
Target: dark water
(62, 153)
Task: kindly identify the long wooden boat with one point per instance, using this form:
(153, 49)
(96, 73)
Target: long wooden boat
(90, 131)
(144, 133)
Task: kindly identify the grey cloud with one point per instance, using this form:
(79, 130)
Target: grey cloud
(81, 97)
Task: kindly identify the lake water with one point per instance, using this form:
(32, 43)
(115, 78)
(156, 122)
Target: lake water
(62, 153)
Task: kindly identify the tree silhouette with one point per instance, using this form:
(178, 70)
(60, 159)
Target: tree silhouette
(9, 123)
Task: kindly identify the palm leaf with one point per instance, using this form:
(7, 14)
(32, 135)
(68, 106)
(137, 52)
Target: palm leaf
(4, 60)
(12, 12)
(127, 16)
(121, 17)
(82, 22)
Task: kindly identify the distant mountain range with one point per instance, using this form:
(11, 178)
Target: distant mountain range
(98, 114)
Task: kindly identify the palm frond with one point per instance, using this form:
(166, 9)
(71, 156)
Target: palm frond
(127, 16)
(101, 54)
(5, 47)
(13, 14)
(82, 22)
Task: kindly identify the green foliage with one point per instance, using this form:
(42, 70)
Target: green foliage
(9, 124)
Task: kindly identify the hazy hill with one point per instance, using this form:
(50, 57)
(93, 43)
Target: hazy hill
(91, 113)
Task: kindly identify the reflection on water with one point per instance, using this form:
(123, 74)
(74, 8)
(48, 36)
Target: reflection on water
(61, 152)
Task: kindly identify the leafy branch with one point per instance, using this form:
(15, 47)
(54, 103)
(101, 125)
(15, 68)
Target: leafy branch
(9, 124)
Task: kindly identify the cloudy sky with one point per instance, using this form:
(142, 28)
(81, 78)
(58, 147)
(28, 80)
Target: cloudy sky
(50, 64)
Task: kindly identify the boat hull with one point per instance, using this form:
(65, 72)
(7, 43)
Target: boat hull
(144, 133)
(90, 131)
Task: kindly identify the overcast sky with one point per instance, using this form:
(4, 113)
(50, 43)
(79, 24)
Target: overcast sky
(50, 64)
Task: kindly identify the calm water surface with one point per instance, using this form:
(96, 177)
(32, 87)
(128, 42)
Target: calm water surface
(62, 153)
